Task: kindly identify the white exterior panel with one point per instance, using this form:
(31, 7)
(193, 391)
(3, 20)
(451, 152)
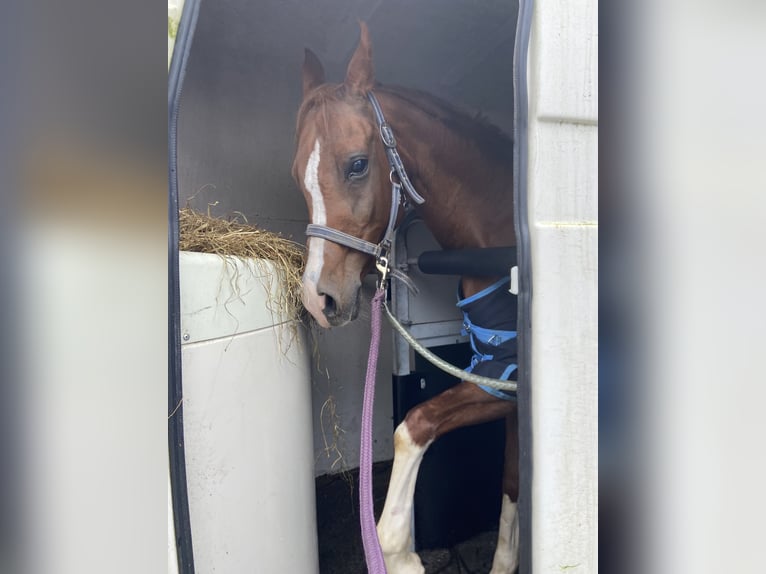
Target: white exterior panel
(564, 52)
(563, 216)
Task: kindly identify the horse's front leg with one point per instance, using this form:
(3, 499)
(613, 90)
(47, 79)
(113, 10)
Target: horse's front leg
(506, 558)
(395, 525)
(462, 405)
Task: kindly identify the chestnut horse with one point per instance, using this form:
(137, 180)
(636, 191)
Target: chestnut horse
(462, 168)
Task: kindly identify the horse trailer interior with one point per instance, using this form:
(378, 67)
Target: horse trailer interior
(266, 450)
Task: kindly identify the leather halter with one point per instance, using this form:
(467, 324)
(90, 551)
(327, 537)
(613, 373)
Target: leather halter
(382, 249)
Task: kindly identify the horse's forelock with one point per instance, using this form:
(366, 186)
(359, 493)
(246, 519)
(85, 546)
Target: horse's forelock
(323, 96)
(320, 97)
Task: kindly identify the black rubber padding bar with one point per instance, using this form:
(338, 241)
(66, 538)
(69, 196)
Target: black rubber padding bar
(490, 261)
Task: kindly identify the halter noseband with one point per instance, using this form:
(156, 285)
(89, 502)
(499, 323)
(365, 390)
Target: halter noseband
(380, 250)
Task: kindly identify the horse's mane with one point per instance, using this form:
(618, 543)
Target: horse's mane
(489, 138)
(476, 128)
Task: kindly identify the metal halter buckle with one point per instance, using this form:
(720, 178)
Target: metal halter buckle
(387, 135)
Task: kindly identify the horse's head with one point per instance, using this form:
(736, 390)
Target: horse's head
(342, 170)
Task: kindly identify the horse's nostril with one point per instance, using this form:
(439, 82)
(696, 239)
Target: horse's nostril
(330, 308)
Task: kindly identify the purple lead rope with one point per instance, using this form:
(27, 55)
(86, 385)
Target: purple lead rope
(372, 552)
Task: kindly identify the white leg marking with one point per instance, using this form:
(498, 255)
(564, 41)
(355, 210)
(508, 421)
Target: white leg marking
(315, 261)
(507, 553)
(395, 526)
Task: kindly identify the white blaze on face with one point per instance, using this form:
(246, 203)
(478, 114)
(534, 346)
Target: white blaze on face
(311, 298)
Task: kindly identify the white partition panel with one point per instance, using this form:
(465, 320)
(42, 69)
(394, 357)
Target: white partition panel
(563, 215)
(247, 422)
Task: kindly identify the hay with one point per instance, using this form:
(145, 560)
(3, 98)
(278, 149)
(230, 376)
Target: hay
(205, 234)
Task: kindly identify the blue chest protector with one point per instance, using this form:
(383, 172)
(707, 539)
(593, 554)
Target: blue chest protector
(489, 319)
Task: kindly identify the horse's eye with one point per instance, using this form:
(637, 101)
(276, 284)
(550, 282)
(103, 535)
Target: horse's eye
(358, 167)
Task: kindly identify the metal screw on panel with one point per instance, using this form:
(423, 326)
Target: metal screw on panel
(186, 336)
(422, 383)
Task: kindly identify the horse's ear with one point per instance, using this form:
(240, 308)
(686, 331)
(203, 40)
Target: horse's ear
(313, 72)
(360, 75)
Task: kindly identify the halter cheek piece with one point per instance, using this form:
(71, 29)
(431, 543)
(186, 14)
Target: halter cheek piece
(382, 249)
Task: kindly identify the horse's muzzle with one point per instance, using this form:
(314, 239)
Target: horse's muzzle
(338, 314)
(328, 306)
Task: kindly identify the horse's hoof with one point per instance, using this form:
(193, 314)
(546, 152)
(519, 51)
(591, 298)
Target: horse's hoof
(403, 563)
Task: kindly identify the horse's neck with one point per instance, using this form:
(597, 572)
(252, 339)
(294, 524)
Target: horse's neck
(468, 193)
